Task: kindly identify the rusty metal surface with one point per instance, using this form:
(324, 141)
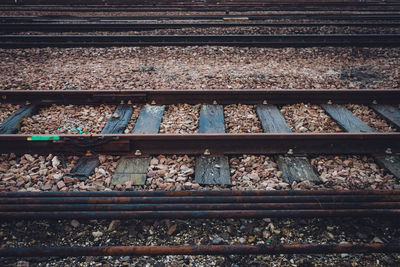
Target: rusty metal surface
(221, 96)
(11, 27)
(208, 204)
(195, 144)
(198, 199)
(200, 250)
(218, 206)
(199, 214)
(231, 40)
(19, 194)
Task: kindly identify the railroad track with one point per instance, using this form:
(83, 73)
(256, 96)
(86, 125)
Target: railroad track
(210, 147)
(212, 140)
(205, 204)
(43, 25)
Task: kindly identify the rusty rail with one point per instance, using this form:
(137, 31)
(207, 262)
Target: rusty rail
(11, 27)
(199, 199)
(19, 194)
(236, 40)
(221, 96)
(200, 250)
(207, 206)
(196, 144)
(387, 15)
(199, 204)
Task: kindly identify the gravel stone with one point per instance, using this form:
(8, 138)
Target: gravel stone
(6, 110)
(180, 119)
(135, 116)
(370, 117)
(68, 120)
(198, 68)
(237, 30)
(303, 118)
(350, 172)
(241, 119)
(200, 231)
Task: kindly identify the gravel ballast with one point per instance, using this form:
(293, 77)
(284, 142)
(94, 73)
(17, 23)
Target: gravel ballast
(6, 110)
(176, 172)
(180, 119)
(235, 30)
(241, 119)
(205, 232)
(198, 68)
(303, 118)
(68, 120)
(369, 116)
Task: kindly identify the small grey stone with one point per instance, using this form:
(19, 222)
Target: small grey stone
(218, 240)
(75, 223)
(113, 225)
(126, 258)
(102, 171)
(97, 234)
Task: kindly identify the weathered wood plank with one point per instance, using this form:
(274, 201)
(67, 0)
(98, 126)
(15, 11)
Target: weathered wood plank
(346, 119)
(390, 113)
(272, 120)
(390, 162)
(212, 119)
(149, 120)
(84, 168)
(212, 170)
(117, 124)
(13, 123)
(293, 168)
(131, 169)
(296, 169)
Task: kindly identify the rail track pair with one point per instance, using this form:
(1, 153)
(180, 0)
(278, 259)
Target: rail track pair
(212, 144)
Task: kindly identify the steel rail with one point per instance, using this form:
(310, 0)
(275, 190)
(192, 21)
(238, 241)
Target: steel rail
(392, 247)
(195, 207)
(263, 143)
(222, 17)
(10, 27)
(322, 17)
(221, 96)
(277, 40)
(109, 9)
(207, 204)
(200, 214)
(205, 4)
(197, 144)
(201, 199)
(198, 5)
(88, 194)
